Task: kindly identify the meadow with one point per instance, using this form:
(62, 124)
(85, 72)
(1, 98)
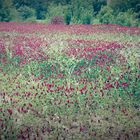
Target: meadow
(69, 82)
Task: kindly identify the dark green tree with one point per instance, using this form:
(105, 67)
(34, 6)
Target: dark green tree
(80, 8)
(68, 16)
(106, 15)
(6, 8)
(97, 4)
(40, 6)
(26, 12)
(123, 5)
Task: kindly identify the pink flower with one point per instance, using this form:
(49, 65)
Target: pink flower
(1, 120)
(124, 84)
(107, 68)
(10, 111)
(108, 86)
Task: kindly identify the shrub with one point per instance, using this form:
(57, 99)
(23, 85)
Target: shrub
(26, 12)
(5, 15)
(106, 15)
(6, 8)
(127, 18)
(57, 20)
(68, 17)
(15, 15)
(57, 14)
(87, 18)
(31, 19)
(56, 10)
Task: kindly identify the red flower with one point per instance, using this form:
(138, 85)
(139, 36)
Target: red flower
(10, 111)
(124, 84)
(68, 101)
(113, 110)
(116, 83)
(83, 88)
(108, 68)
(76, 101)
(1, 120)
(30, 105)
(108, 86)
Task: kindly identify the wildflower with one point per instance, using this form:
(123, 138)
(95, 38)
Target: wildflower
(124, 84)
(68, 101)
(116, 83)
(10, 111)
(108, 86)
(108, 68)
(30, 105)
(1, 120)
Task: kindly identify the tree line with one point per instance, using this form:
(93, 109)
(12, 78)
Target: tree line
(123, 12)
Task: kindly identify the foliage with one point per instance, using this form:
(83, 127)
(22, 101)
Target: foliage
(106, 15)
(56, 10)
(122, 5)
(73, 11)
(68, 16)
(26, 12)
(39, 6)
(41, 9)
(118, 4)
(86, 18)
(82, 11)
(57, 20)
(30, 19)
(127, 18)
(6, 10)
(97, 5)
(15, 16)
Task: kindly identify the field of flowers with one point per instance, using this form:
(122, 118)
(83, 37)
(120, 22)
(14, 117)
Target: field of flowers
(69, 82)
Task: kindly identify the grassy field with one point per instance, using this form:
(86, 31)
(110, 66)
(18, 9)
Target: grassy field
(76, 82)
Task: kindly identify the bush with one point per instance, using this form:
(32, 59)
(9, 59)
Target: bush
(57, 20)
(96, 21)
(57, 14)
(31, 19)
(83, 17)
(26, 12)
(40, 14)
(106, 15)
(56, 10)
(68, 17)
(87, 18)
(5, 15)
(6, 10)
(127, 18)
